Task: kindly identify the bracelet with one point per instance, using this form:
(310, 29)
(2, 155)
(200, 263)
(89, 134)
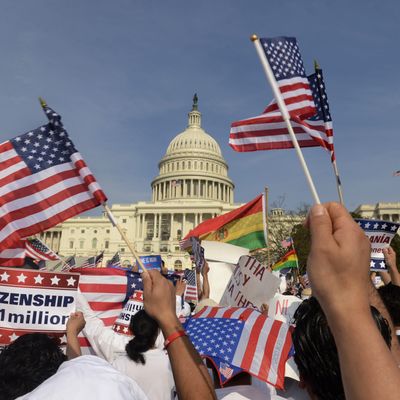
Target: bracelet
(172, 337)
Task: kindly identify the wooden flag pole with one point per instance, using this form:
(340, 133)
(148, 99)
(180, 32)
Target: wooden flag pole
(122, 233)
(285, 114)
(266, 225)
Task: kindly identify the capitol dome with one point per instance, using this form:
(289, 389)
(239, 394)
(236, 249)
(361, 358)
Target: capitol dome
(193, 167)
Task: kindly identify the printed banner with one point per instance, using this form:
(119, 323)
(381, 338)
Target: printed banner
(35, 301)
(380, 234)
(251, 285)
(151, 262)
(133, 305)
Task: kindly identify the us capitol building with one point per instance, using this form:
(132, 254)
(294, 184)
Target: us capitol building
(192, 186)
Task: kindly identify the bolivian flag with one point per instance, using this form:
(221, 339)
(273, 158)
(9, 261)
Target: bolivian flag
(244, 227)
(289, 260)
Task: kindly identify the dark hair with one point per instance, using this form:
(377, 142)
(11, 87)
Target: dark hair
(390, 295)
(315, 350)
(26, 363)
(145, 331)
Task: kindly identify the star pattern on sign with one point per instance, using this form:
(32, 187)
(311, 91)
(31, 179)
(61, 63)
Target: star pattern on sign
(55, 280)
(63, 339)
(284, 57)
(71, 281)
(38, 279)
(385, 226)
(21, 278)
(44, 147)
(208, 335)
(13, 337)
(377, 264)
(320, 97)
(4, 276)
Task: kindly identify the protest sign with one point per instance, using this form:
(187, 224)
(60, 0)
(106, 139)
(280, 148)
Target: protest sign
(380, 234)
(223, 252)
(35, 301)
(151, 262)
(133, 305)
(251, 285)
(283, 307)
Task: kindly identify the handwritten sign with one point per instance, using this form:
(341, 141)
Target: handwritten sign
(380, 234)
(35, 301)
(251, 285)
(283, 307)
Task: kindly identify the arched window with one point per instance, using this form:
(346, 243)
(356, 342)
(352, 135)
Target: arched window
(178, 265)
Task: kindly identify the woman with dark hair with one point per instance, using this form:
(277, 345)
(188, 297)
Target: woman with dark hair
(147, 365)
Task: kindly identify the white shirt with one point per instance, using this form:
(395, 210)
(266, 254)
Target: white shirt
(245, 392)
(87, 377)
(154, 377)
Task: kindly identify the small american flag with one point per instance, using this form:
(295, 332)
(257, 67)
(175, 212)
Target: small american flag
(93, 262)
(43, 181)
(242, 338)
(39, 251)
(115, 261)
(69, 263)
(191, 286)
(185, 244)
(267, 132)
(287, 242)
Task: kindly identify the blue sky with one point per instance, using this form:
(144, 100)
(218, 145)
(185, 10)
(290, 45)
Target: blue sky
(123, 73)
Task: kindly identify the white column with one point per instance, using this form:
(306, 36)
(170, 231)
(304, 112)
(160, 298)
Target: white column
(171, 226)
(195, 219)
(159, 225)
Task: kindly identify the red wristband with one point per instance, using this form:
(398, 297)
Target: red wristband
(173, 336)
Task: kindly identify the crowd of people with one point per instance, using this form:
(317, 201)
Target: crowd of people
(344, 337)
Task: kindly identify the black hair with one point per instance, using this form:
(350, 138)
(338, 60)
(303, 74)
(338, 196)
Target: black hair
(26, 363)
(145, 330)
(390, 295)
(315, 350)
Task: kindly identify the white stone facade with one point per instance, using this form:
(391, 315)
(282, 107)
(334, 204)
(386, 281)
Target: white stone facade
(381, 210)
(192, 186)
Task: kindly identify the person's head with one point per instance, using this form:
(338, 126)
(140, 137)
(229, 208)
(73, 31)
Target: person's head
(390, 295)
(145, 330)
(315, 351)
(26, 363)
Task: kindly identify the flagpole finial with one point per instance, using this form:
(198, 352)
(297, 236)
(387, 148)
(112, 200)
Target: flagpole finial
(42, 102)
(253, 37)
(316, 65)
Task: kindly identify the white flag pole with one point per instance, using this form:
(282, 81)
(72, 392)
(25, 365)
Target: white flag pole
(285, 113)
(123, 235)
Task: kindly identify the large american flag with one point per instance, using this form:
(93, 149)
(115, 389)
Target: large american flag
(243, 338)
(267, 132)
(37, 250)
(13, 256)
(43, 181)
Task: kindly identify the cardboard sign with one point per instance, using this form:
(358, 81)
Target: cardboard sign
(35, 301)
(133, 305)
(251, 285)
(151, 262)
(380, 234)
(283, 307)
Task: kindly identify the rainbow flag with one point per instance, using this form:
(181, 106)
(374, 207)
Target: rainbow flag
(242, 227)
(289, 260)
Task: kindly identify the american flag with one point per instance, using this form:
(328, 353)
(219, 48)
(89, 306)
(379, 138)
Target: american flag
(39, 251)
(284, 57)
(107, 290)
(267, 132)
(43, 181)
(185, 244)
(115, 261)
(243, 338)
(69, 263)
(14, 256)
(287, 242)
(191, 286)
(93, 262)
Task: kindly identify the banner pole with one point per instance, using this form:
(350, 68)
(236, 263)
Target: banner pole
(122, 233)
(338, 181)
(285, 114)
(266, 225)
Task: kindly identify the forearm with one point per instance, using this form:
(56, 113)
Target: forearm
(73, 346)
(394, 274)
(190, 374)
(206, 287)
(361, 346)
(376, 301)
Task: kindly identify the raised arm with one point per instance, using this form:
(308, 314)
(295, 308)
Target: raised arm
(190, 374)
(390, 258)
(339, 248)
(206, 282)
(75, 324)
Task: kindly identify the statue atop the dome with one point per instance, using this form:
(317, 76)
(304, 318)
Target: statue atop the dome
(195, 102)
